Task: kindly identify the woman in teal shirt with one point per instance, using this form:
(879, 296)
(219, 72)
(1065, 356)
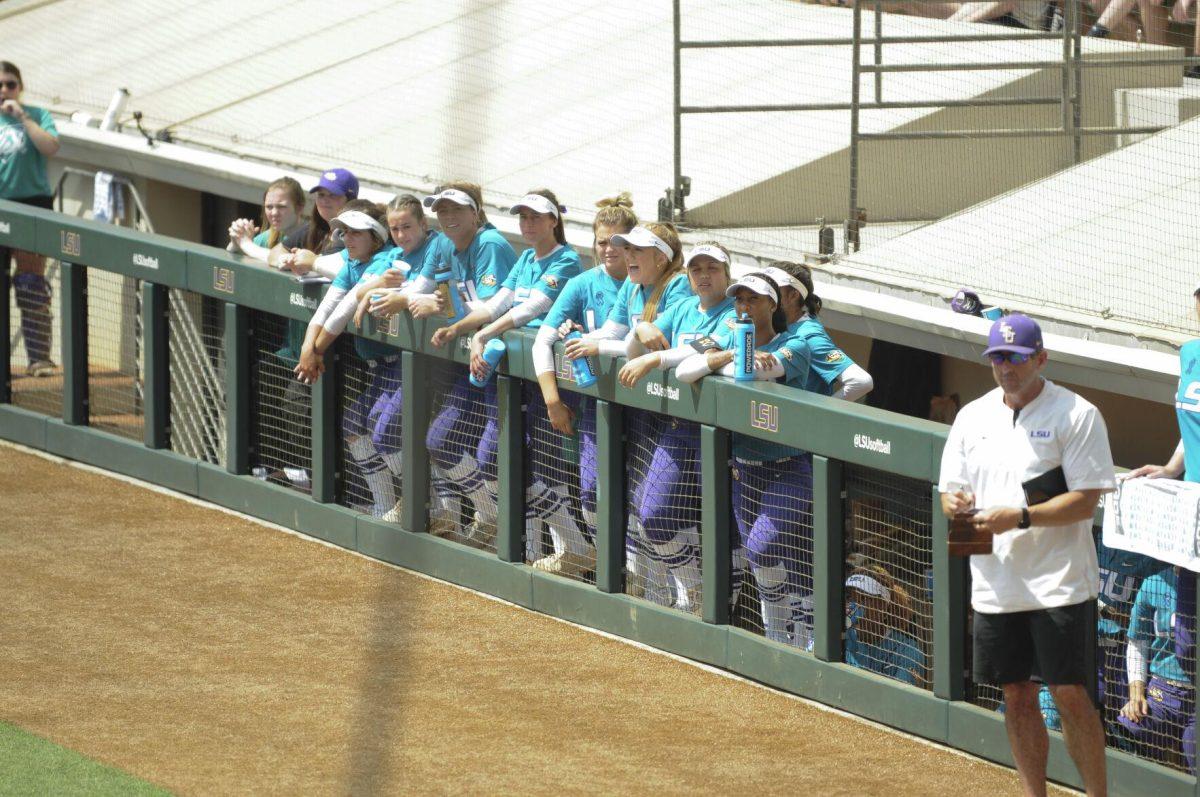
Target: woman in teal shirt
(27, 138)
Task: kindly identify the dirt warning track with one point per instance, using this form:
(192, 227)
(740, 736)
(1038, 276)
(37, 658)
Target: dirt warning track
(210, 654)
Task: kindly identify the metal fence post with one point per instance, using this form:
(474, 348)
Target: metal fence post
(5, 326)
(325, 432)
(414, 376)
(73, 285)
(716, 514)
(157, 379)
(610, 496)
(950, 600)
(828, 559)
(237, 388)
(510, 471)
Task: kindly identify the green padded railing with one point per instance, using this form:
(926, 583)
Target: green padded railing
(837, 433)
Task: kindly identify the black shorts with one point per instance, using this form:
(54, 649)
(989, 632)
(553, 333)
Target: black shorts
(1057, 646)
(45, 202)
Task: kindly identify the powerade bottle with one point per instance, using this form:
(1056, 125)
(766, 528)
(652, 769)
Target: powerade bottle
(493, 352)
(581, 369)
(451, 301)
(743, 349)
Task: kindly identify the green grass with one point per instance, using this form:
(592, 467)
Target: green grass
(32, 765)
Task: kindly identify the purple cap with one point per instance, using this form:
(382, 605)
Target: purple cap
(338, 181)
(1016, 332)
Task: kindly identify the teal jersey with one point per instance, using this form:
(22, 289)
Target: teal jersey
(897, 656)
(22, 167)
(684, 321)
(828, 361)
(548, 275)
(479, 269)
(631, 300)
(1152, 619)
(1187, 408)
(587, 299)
(414, 262)
(793, 354)
(352, 273)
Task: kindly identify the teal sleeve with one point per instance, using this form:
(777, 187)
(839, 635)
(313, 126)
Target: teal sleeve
(568, 305)
(494, 261)
(620, 309)
(796, 362)
(666, 321)
(677, 291)
(1141, 616)
(558, 276)
(436, 253)
(46, 122)
(828, 361)
(344, 279)
(523, 262)
(262, 238)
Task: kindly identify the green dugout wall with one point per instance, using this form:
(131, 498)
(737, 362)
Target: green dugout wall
(841, 437)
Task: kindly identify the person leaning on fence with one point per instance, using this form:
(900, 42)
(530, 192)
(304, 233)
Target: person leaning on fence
(833, 373)
(879, 625)
(371, 425)
(1034, 595)
(772, 483)
(582, 306)
(282, 215)
(413, 244)
(476, 263)
(303, 248)
(27, 137)
(524, 298)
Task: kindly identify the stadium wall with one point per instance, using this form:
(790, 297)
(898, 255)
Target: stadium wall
(841, 436)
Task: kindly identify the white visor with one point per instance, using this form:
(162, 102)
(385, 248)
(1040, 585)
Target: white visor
(357, 220)
(864, 583)
(453, 195)
(706, 249)
(641, 237)
(782, 278)
(756, 284)
(538, 204)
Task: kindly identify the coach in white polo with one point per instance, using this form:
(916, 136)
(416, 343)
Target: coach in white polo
(1034, 595)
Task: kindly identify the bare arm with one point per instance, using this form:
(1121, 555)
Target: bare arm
(1172, 470)
(1070, 507)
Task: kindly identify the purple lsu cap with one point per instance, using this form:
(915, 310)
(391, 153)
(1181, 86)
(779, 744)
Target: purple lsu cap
(1018, 333)
(338, 181)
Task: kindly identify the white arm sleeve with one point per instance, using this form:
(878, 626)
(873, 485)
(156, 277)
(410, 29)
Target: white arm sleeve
(760, 375)
(328, 266)
(537, 304)
(332, 298)
(419, 284)
(609, 330)
(692, 368)
(855, 383)
(612, 348)
(673, 357)
(500, 302)
(1137, 668)
(543, 349)
(340, 316)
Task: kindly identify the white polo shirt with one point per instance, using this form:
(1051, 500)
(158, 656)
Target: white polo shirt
(990, 453)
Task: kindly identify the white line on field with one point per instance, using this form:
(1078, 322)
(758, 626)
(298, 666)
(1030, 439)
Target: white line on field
(606, 635)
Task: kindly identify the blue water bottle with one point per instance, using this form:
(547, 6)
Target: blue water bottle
(581, 369)
(743, 349)
(493, 353)
(451, 301)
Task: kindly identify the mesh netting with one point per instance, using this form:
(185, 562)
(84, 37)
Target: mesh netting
(280, 406)
(197, 373)
(34, 337)
(560, 488)
(772, 507)
(889, 562)
(662, 455)
(115, 389)
(462, 442)
(370, 405)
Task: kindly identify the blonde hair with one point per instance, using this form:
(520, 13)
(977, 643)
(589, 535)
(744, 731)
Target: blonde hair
(470, 189)
(670, 236)
(617, 212)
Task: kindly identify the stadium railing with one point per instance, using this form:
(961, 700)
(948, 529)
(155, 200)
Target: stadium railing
(874, 477)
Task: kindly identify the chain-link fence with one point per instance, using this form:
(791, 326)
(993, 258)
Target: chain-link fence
(462, 441)
(280, 406)
(197, 374)
(35, 360)
(370, 403)
(889, 576)
(115, 365)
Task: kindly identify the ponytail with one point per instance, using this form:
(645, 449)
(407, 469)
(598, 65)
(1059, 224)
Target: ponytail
(667, 232)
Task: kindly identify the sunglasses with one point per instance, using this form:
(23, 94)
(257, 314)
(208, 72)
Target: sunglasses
(11, 85)
(1013, 357)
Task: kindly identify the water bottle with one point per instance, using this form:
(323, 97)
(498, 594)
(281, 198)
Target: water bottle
(451, 301)
(493, 352)
(743, 349)
(585, 375)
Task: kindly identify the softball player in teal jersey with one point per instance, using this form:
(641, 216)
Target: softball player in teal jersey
(583, 305)
(668, 505)
(772, 487)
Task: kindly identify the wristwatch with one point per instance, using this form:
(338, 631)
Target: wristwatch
(1024, 524)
